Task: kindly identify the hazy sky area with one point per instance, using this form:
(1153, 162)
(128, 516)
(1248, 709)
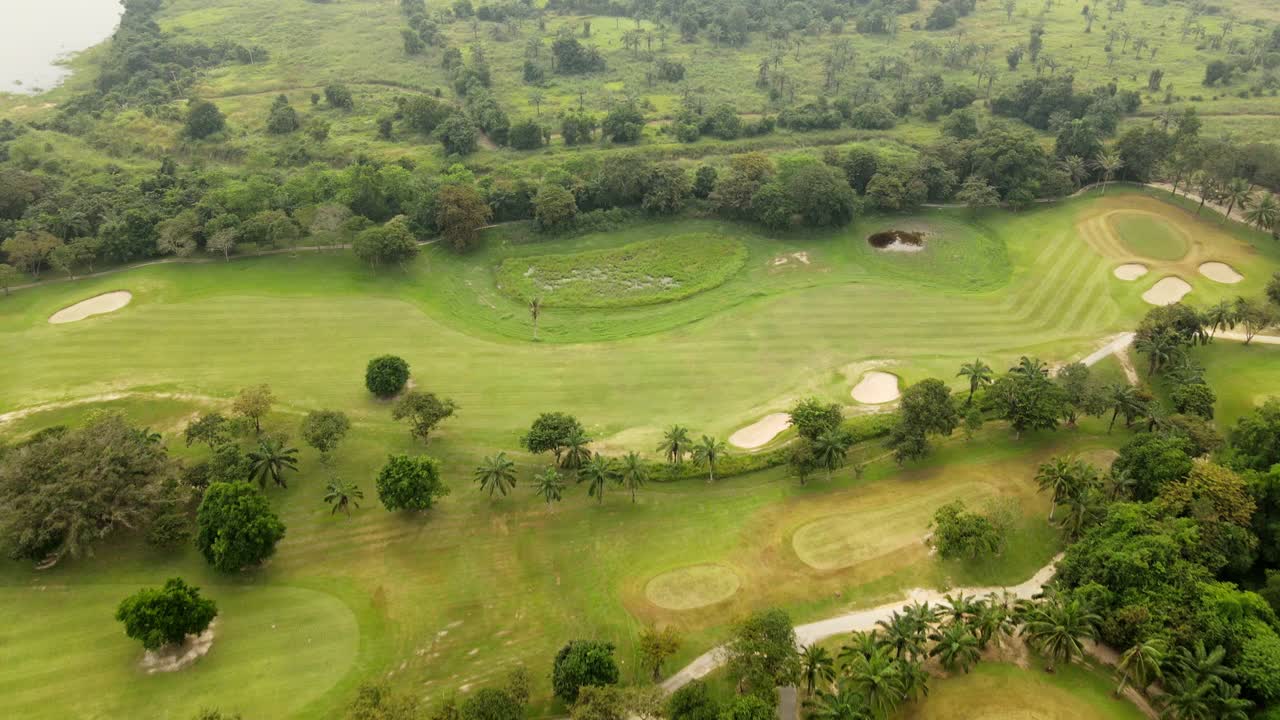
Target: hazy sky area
(36, 33)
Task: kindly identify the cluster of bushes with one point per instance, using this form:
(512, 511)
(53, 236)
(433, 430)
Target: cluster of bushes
(1051, 100)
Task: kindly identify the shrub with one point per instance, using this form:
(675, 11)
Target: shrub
(236, 527)
(581, 663)
(410, 483)
(386, 375)
(165, 616)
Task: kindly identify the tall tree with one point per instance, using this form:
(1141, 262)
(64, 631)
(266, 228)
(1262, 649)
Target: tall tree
(535, 312)
(342, 495)
(979, 374)
(549, 486)
(599, 472)
(634, 473)
(254, 403)
(1108, 163)
(271, 459)
(675, 443)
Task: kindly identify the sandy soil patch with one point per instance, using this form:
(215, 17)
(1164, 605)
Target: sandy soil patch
(800, 257)
(177, 657)
(1130, 271)
(692, 587)
(1221, 272)
(876, 387)
(761, 431)
(1167, 292)
(99, 305)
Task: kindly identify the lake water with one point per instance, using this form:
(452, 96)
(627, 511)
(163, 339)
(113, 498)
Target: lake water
(35, 34)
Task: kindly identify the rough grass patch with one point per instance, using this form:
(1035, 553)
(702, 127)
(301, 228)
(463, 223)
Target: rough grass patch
(642, 273)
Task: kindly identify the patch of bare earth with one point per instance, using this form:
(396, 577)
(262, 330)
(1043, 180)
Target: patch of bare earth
(173, 658)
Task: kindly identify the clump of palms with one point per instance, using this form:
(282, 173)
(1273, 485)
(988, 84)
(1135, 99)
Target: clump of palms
(1108, 163)
(1057, 628)
(342, 495)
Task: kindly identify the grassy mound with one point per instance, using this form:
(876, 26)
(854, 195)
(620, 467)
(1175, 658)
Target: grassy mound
(998, 691)
(692, 587)
(642, 273)
(1150, 236)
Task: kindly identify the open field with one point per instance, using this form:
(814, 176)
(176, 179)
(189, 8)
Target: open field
(1243, 376)
(454, 598)
(997, 691)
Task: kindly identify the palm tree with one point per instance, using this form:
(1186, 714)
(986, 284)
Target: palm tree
(1265, 213)
(816, 665)
(1206, 185)
(956, 647)
(1076, 168)
(861, 644)
(1062, 478)
(878, 681)
(1030, 368)
(980, 375)
(900, 634)
(675, 443)
(1124, 399)
(1220, 317)
(843, 704)
(992, 621)
(342, 496)
(959, 608)
(923, 617)
(914, 682)
(1237, 193)
(1159, 347)
(708, 452)
(1121, 484)
(1083, 509)
(549, 485)
(1056, 626)
(1186, 699)
(1141, 664)
(1109, 163)
(271, 459)
(830, 449)
(535, 310)
(496, 474)
(634, 473)
(599, 471)
(1200, 665)
(576, 452)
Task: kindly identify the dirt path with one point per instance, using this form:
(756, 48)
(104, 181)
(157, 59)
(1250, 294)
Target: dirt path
(1119, 346)
(859, 620)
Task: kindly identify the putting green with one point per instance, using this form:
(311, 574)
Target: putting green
(692, 587)
(642, 273)
(999, 691)
(882, 523)
(277, 651)
(1149, 235)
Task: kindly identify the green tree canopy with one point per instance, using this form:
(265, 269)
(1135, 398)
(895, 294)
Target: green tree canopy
(236, 527)
(165, 616)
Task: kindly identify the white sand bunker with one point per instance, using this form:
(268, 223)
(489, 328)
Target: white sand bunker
(1167, 292)
(175, 657)
(761, 431)
(1221, 272)
(876, 387)
(1130, 271)
(800, 257)
(98, 305)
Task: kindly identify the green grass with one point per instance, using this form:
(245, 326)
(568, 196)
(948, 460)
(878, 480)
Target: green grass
(1149, 236)
(1001, 691)
(643, 273)
(691, 587)
(1243, 376)
(508, 581)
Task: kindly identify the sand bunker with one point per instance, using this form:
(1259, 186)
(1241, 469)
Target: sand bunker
(1130, 271)
(761, 431)
(897, 241)
(692, 587)
(176, 657)
(1167, 292)
(876, 387)
(99, 305)
(1221, 272)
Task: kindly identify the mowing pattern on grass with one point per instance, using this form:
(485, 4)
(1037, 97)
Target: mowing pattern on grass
(643, 273)
(692, 587)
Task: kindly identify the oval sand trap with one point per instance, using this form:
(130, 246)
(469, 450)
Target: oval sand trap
(761, 431)
(692, 587)
(98, 305)
(876, 387)
(1130, 271)
(1167, 292)
(1221, 272)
